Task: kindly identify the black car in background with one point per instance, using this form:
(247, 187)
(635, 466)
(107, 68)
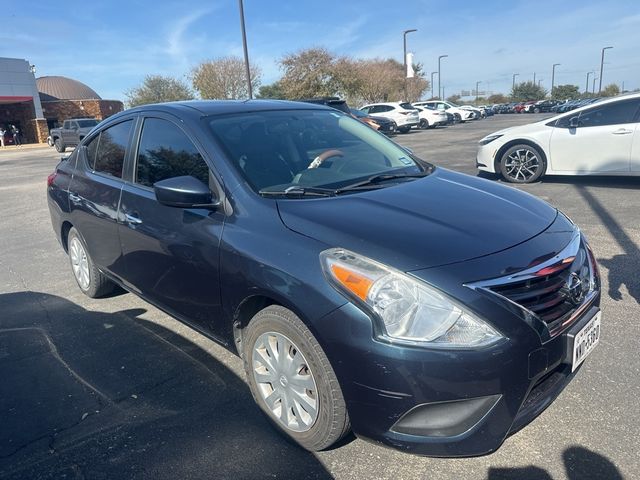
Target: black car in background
(364, 288)
(381, 124)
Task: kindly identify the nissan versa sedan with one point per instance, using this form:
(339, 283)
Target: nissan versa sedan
(602, 138)
(364, 288)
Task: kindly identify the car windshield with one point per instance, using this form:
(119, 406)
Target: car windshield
(279, 150)
(87, 123)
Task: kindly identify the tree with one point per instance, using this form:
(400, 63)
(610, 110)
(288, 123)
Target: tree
(274, 91)
(497, 98)
(565, 92)
(526, 91)
(224, 78)
(158, 89)
(454, 98)
(610, 90)
(308, 73)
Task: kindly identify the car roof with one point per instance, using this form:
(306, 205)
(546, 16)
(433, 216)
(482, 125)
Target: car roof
(222, 107)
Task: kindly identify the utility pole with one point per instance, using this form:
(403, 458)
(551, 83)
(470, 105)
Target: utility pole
(439, 70)
(553, 77)
(432, 74)
(246, 52)
(404, 38)
(601, 67)
(586, 88)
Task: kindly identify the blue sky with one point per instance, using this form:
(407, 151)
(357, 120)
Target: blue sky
(112, 45)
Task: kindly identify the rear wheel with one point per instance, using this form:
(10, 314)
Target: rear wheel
(91, 281)
(424, 124)
(60, 147)
(291, 379)
(522, 164)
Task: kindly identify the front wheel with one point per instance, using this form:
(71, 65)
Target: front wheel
(291, 379)
(60, 147)
(522, 164)
(424, 124)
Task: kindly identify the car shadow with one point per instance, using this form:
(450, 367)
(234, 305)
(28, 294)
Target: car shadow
(623, 268)
(87, 394)
(580, 464)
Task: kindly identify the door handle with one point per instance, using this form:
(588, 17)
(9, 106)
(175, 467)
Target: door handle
(622, 131)
(132, 219)
(75, 198)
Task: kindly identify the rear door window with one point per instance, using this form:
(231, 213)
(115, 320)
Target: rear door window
(112, 148)
(166, 152)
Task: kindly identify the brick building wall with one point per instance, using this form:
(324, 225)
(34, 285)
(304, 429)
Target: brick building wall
(22, 116)
(60, 110)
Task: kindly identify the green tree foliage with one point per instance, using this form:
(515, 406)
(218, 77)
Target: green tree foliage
(565, 92)
(527, 91)
(610, 90)
(158, 89)
(497, 98)
(224, 78)
(274, 91)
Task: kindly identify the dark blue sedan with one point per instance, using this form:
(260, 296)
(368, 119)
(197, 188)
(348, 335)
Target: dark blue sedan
(364, 288)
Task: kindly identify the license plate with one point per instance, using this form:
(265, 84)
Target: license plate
(586, 340)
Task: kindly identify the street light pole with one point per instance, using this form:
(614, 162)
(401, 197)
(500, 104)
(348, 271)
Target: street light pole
(540, 81)
(404, 41)
(534, 78)
(246, 51)
(432, 74)
(593, 90)
(601, 67)
(586, 88)
(553, 77)
(439, 70)
(477, 83)
(513, 82)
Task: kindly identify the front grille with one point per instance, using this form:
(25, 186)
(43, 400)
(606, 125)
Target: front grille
(554, 291)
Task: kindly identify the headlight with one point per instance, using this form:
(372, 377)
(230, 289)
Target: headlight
(489, 139)
(409, 310)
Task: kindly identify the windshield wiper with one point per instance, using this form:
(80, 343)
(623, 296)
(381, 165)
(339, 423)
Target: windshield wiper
(373, 182)
(298, 191)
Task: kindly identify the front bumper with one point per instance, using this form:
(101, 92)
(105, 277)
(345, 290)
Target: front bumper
(444, 403)
(485, 158)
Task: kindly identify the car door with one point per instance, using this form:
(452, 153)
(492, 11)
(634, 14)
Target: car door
(634, 162)
(171, 254)
(601, 143)
(94, 193)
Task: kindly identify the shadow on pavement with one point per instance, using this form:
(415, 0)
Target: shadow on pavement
(622, 269)
(100, 395)
(580, 464)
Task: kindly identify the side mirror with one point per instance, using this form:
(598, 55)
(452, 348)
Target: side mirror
(184, 192)
(574, 122)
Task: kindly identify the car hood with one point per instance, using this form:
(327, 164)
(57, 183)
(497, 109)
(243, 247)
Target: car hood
(444, 218)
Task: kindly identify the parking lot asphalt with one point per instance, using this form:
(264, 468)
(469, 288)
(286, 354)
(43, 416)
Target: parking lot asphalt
(114, 388)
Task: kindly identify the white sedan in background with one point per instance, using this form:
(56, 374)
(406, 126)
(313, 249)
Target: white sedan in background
(445, 106)
(430, 118)
(602, 138)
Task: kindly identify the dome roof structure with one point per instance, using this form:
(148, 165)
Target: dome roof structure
(63, 88)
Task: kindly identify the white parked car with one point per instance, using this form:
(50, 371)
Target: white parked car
(402, 113)
(430, 118)
(602, 138)
(442, 105)
(478, 112)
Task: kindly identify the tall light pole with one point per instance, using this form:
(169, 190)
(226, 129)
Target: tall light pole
(246, 51)
(553, 77)
(439, 70)
(404, 41)
(534, 78)
(593, 90)
(513, 82)
(601, 67)
(540, 81)
(432, 74)
(586, 87)
(477, 83)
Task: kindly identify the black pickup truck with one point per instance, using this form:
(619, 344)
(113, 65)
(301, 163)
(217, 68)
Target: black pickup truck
(71, 133)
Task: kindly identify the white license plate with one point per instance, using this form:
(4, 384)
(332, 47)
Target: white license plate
(586, 340)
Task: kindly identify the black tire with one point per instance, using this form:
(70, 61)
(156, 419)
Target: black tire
(97, 285)
(60, 147)
(536, 110)
(522, 163)
(332, 420)
(424, 124)
(433, 126)
(404, 129)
